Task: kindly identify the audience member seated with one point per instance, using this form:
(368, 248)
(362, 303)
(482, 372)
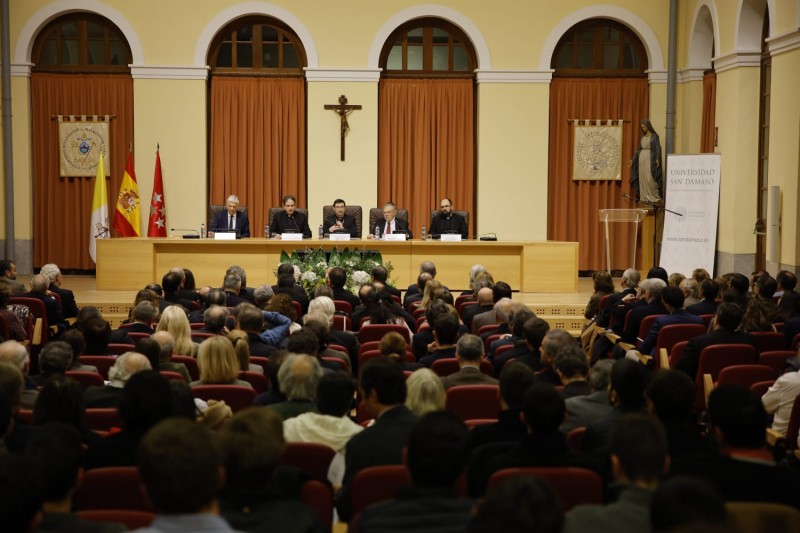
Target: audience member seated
(381, 275)
(422, 340)
(248, 293)
(274, 394)
(16, 354)
(737, 289)
(211, 298)
(502, 309)
(709, 290)
(425, 392)
(57, 448)
(687, 504)
(167, 344)
(723, 331)
(517, 317)
(485, 305)
(639, 457)
(282, 303)
(251, 499)
(469, 354)
(760, 309)
(175, 322)
(298, 378)
(151, 349)
(146, 400)
(54, 359)
(673, 301)
(544, 445)
(145, 316)
(181, 472)
(262, 295)
(39, 289)
(585, 410)
(295, 291)
(412, 301)
(445, 334)
(171, 284)
(435, 456)
(320, 326)
(97, 334)
(123, 369)
(500, 291)
(241, 348)
(215, 320)
(670, 397)
(188, 285)
(515, 380)
(16, 329)
(788, 297)
(75, 339)
(383, 392)
(743, 470)
(337, 279)
(779, 399)
(232, 285)
(263, 343)
(648, 304)
(324, 305)
(330, 426)
(629, 380)
(571, 366)
(61, 400)
(534, 331)
(521, 503)
(691, 292)
(218, 364)
(603, 286)
(628, 283)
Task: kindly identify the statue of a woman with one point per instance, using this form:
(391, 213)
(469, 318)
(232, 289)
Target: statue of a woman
(646, 165)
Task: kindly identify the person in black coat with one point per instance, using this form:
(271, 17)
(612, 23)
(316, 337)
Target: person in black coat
(230, 218)
(391, 223)
(340, 223)
(448, 222)
(289, 220)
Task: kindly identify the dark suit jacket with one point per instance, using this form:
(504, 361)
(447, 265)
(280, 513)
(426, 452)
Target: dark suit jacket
(453, 224)
(220, 221)
(175, 299)
(232, 300)
(691, 354)
(468, 375)
(631, 331)
(346, 296)
(474, 310)
(604, 316)
(348, 223)
(54, 315)
(120, 336)
(705, 307)
(380, 444)
(680, 316)
(297, 223)
(68, 306)
(400, 226)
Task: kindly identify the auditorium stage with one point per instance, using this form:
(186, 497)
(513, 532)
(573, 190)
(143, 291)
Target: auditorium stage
(528, 266)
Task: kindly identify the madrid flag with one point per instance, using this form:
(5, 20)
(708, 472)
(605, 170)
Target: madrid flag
(158, 207)
(128, 216)
(99, 221)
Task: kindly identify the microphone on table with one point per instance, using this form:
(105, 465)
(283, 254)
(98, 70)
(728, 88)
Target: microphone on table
(188, 236)
(487, 237)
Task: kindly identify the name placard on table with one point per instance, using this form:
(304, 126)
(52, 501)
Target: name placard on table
(291, 236)
(340, 236)
(394, 237)
(224, 236)
(451, 237)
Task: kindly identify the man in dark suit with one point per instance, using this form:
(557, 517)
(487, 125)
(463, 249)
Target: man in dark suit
(571, 366)
(469, 353)
(500, 290)
(651, 290)
(383, 388)
(673, 301)
(381, 275)
(68, 306)
(628, 284)
(144, 316)
(171, 285)
(289, 220)
(426, 267)
(39, 284)
(262, 342)
(723, 327)
(391, 224)
(485, 305)
(339, 222)
(244, 291)
(287, 286)
(445, 333)
(448, 222)
(230, 218)
(231, 285)
(709, 290)
(337, 279)
(212, 297)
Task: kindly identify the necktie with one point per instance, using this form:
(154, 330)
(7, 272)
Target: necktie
(388, 228)
(230, 223)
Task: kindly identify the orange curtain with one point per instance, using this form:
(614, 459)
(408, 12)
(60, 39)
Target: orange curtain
(425, 146)
(62, 206)
(258, 143)
(573, 205)
(709, 113)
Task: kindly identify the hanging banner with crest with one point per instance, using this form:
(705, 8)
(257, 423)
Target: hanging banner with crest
(82, 141)
(597, 150)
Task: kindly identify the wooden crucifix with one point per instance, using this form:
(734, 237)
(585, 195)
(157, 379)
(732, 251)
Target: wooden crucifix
(343, 109)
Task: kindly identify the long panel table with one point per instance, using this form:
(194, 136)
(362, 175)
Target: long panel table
(528, 266)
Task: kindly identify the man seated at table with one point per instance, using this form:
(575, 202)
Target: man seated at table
(290, 220)
(392, 224)
(230, 219)
(448, 222)
(339, 222)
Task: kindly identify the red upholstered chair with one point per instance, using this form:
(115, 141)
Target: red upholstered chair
(575, 486)
(490, 339)
(676, 354)
(369, 345)
(236, 396)
(39, 312)
(260, 361)
(191, 365)
(199, 325)
(342, 323)
(130, 519)
(313, 458)
(795, 342)
(375, 332)
(487, 328)
(715, 358)
(419, 321)
(376, 484)
(645, 327)
(340, 363)
(707, 320)
(760, 388)
(463, 298)
(418, 311)
(319, 496)
(575, 439)
(116, 487)
(298, 310)
(776, 359)
(473, 401)
(136, 335)
(745, 375)
(26, 415)
(343, 306)
(462, 307)
(102, 419)
(445, 367)
(102, 362)
(170, 375)
(479, 422)
(769, 341)
(258, 380)
(119, 349)
(669, 336)
(86, 379)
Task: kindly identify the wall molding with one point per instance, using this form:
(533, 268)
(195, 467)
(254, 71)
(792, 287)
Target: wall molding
(168, 72)
(514, 76)
(371, 75)
(737, 59)
(785, 42)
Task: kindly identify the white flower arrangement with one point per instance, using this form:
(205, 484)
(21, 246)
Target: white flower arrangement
(311, 270)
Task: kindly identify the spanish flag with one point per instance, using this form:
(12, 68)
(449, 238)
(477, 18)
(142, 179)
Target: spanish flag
(99, 221)
(127, 217)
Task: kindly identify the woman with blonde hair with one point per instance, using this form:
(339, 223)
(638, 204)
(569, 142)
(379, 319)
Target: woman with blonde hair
(174, 321)
(425, 392)
(217, 363)
(433, 289)
(241, 346)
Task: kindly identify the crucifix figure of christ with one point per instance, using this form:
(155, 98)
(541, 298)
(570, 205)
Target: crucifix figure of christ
(343, 109)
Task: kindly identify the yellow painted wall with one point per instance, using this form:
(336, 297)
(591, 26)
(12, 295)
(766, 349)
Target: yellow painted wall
(513, 126)
(23, 169)
(166, 112)
(689, 117)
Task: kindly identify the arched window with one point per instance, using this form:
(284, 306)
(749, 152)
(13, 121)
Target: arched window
(428, 48)
(81, 42)
(599, 47)
(426, 119)
(257, 46)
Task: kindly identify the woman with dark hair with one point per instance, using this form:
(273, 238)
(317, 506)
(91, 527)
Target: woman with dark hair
(282, 303)
(16, 330)
(603, 285)
(61, 400)
(189, 283)
(646, 165)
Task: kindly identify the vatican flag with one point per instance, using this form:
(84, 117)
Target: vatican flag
(99, 220)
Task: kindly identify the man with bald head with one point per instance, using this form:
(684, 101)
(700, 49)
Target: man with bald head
(485, 304)
(500, 290)
(16, 354)
(124, 367)
(39, 284)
